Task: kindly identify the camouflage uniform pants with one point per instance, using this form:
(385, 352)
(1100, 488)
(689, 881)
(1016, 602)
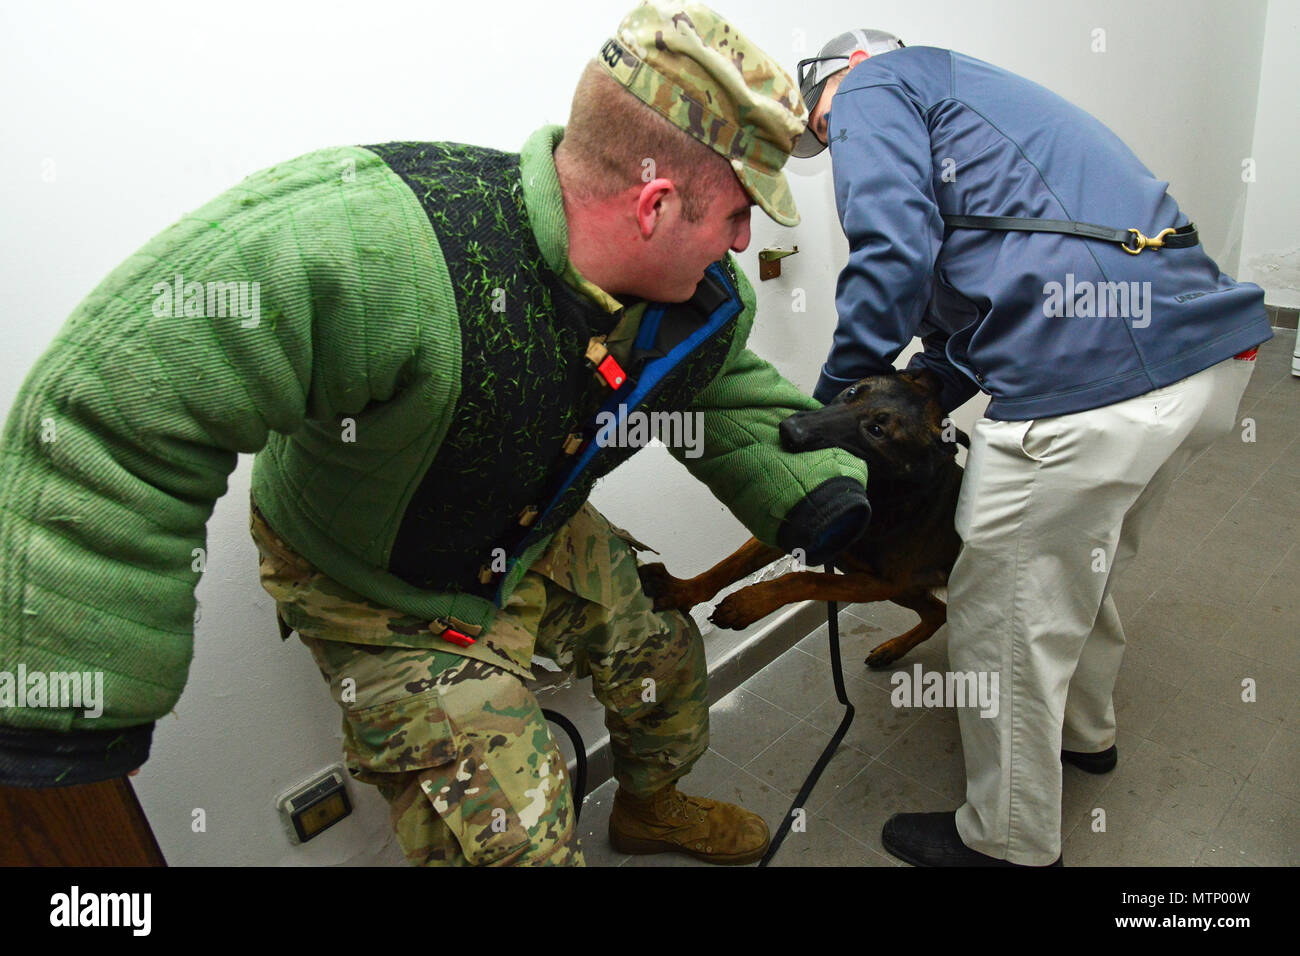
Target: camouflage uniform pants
(458, 746)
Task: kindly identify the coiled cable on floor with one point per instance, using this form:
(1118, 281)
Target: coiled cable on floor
(837, 675)
(580, 752)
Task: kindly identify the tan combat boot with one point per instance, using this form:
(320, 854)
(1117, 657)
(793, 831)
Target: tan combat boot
(669, 820)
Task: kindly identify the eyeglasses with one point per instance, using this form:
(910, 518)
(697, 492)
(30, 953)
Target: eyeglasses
(802, 70)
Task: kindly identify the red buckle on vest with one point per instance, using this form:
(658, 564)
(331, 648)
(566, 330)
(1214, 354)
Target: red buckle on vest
(456, 637)
(1248, 355)
(611, 372)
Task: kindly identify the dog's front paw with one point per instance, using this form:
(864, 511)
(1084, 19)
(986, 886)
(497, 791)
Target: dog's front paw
(666, 591)
(734, 613)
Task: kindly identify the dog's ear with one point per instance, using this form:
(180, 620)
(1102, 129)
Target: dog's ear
(951, 436)
(924, 378)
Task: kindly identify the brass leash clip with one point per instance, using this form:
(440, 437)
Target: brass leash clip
(1144, 242)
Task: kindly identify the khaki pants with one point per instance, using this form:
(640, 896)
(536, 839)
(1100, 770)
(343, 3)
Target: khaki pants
(1051, 512)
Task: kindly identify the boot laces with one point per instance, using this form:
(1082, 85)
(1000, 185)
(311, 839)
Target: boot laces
(677, 805)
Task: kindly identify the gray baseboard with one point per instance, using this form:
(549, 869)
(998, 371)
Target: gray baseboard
(1281, 317)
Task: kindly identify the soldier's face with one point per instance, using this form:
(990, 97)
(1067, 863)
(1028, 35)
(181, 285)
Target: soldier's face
(688, 248)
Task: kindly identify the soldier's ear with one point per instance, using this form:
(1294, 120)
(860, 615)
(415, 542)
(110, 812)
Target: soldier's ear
(651, 203)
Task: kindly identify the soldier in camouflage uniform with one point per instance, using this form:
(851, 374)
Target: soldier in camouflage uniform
(459, 747)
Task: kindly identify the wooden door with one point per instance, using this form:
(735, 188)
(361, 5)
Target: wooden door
(95, 824)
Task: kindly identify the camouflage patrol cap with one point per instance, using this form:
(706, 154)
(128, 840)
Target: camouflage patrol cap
(699, 73)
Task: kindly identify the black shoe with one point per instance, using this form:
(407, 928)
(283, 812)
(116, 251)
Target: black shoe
(1103, 762)
(931, 839)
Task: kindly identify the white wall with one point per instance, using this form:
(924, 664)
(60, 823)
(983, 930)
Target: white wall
(1271, 244)
(119, 118)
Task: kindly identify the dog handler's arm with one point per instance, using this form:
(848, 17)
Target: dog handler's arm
(303, 293)
(886, 203)
(813, 501)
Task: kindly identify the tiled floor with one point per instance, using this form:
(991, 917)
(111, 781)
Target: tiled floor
(1204, 778)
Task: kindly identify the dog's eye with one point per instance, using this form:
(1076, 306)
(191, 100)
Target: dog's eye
(852, 390)
(876, 431)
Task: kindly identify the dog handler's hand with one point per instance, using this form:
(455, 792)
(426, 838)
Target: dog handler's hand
(833, 515)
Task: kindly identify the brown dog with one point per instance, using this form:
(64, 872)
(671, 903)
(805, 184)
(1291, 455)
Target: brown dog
(895, 424)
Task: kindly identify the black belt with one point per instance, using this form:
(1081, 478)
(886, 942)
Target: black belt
(1130, 240)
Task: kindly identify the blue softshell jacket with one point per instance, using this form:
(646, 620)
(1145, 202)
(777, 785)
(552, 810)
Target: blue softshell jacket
(1046, 324)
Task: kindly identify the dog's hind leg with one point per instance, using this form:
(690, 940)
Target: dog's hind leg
(747, 605)
(679, 594)
(933, 615)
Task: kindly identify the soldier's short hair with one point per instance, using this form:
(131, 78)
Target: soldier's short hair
(611, 134)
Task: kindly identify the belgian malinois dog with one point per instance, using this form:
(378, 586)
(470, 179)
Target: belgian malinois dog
(893, 422)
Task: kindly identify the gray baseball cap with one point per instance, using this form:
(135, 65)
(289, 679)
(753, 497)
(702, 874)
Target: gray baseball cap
(830, 59)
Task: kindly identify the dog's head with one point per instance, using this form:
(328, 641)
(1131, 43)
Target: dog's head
(894, 422)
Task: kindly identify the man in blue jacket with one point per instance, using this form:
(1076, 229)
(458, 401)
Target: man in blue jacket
(1113, 350)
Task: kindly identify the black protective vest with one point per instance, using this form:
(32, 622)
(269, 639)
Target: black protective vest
(508, 471)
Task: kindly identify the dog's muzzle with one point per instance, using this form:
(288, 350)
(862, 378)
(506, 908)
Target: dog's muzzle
(796, 433)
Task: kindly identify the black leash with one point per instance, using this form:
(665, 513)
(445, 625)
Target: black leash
(580, 751)
(1131, 240)
(837, 674)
